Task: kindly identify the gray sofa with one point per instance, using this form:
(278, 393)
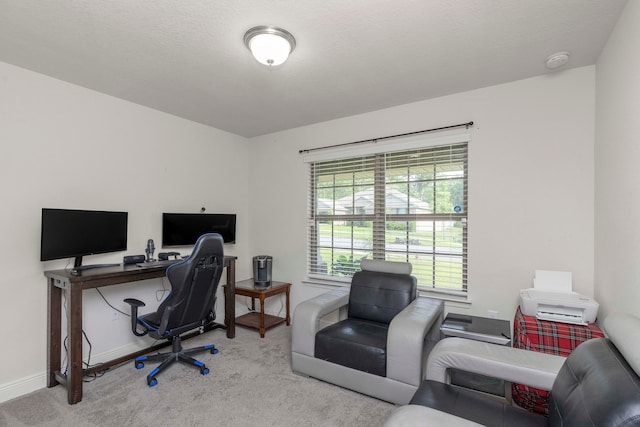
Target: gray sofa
(597, 385)
(379, 338)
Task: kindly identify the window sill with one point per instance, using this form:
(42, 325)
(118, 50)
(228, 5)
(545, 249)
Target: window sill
(448, 296)
(325, 283)
(460, 298)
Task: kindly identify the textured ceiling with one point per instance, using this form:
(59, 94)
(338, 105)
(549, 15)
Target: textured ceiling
(187, 57)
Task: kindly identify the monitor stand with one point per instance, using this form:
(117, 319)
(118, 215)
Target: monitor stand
(78, 267)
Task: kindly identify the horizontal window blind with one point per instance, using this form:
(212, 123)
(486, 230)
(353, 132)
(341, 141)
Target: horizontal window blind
(406, 205)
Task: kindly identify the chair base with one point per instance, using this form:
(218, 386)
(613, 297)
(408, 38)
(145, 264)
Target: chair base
(177, 354)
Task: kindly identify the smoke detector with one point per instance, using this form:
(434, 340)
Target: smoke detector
(556, 60)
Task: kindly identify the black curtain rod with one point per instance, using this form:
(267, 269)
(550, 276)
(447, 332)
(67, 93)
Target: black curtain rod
(466, 125)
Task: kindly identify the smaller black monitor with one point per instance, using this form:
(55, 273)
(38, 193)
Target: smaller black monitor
(70, 233)
(183, 229)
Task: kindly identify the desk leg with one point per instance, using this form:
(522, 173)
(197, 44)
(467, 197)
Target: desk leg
(288, 318)
(74, 337)
(262, 329)
(230, 300)
(54, 333)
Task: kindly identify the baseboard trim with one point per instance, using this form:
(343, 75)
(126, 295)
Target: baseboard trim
(34, 382)
(22, 386)
(116, 352)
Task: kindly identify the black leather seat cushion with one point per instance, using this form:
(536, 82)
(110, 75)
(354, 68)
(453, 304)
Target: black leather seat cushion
(355, 343)
(474, 406)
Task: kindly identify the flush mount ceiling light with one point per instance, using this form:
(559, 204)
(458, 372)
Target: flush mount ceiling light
(556, 60)
(269, 45)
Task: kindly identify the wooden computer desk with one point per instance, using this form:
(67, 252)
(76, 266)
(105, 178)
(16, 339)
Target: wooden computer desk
(59, 280)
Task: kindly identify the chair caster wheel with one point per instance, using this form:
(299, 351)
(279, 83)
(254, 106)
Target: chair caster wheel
(214, 351)
(152, 382)
(139, 365)
(204, 370)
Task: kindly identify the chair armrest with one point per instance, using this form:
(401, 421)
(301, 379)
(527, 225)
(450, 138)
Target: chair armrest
(307, 315)
(423, 416)
(135, 304)
(624, 331)
(406, 339)
(531, 368)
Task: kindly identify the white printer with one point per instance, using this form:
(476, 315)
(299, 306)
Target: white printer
(558, 306)
(552, 298)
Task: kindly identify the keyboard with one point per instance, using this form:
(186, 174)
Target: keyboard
(152, 264)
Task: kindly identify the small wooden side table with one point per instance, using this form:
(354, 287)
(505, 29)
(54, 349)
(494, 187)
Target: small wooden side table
(261, 321)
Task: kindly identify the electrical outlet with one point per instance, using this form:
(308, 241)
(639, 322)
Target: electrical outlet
(115, 315)
(492, 314)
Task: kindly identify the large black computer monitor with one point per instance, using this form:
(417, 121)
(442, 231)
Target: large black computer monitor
(183, 229)
(70, 233)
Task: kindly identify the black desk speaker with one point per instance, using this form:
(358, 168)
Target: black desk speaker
(133, 259)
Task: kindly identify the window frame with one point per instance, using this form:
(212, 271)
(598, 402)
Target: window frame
(380, 217)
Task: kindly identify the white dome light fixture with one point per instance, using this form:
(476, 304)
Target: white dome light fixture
(556, 60)
(269, 45)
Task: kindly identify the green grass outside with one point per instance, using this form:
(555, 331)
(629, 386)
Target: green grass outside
(449, 237)
(423, 265)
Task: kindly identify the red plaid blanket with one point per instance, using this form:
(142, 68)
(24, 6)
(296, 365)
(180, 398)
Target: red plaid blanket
(557, 338)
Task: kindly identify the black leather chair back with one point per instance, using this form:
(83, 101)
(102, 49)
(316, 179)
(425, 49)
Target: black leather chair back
(595, 387)
(194, 282)
(379, 297)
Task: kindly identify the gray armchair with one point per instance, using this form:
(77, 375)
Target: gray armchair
(380, 340)
(597, 385)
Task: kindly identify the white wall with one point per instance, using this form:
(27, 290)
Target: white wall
(530, 198)
(64, 146)
(530, 183)
(617, 151)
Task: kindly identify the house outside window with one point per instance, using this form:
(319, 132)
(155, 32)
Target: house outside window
(408, 205)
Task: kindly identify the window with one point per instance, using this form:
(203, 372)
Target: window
(408, 205)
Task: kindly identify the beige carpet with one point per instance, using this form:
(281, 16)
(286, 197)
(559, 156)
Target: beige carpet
(250, 384)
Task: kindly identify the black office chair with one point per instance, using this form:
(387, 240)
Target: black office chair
(189, 305)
